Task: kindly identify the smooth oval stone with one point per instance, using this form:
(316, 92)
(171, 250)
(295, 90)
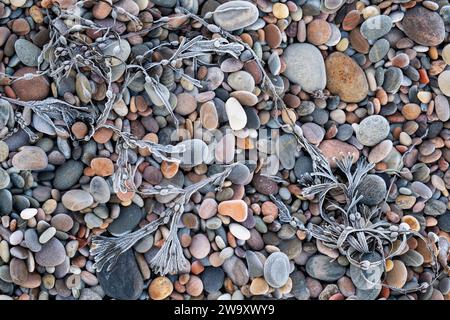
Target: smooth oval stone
(393, 78)
(51, 254)
(305, 66)
(324, 268)
(241, 81)
(77, 200)
(195, 154)
(200, 246)
(276, 269)
(444, 222)
(117, 51)
(286, 144)
(412, 258)
(124, 281)
(128, 219)
(303, 165)
(4, 179)
(236, 271)
(370, 278)
(379, 50)
(32, 240)
(444, 82)
(27, 52)
(345, 78)
(442, 107)
(434, 207)
(209, 116)
(376, 27)
(68, 174)
(424, 26)
(255, 266)
(335, 149)
(225, 148)
(239, 174)
(372, 130)
(235, 15)
(236, 114)
(239, 231)
(212, 279)
(30, 158)
(373, 190)
(99, 189)
(380, 151)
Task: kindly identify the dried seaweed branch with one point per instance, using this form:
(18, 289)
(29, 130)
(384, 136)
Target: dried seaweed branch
(170, 258)
(53, 109)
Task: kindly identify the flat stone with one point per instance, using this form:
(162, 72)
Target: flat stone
(77, 200)
(303, 165)
(241, 81)
(32, 240)
(398, 275)
(444, 222)
(30, 158)
(236, 114)
(345, 78)
(128, 219)
(372, 130)
(380, 151)
(225, 148)
(27, 90)
(335, 149)
(393, 78)
(212, 279)
(186, 104)
(305, 66)
(117, 51)
(286, 144)
(236, 209)
(99, 189)
(68, 174)
(52, 254)
(264, 185)
(324, 268)
(124, 281)
(373, 189)
(434, 208)
(379, 50)
(235, 15)
(376, 27)
(200, 246)
(424, 26)
(236, 270)
(442, 107)
(370, 278)
(27, 52)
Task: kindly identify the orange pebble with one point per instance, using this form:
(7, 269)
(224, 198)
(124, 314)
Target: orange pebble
(423, 76)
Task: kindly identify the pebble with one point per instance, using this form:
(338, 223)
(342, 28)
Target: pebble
(393, 78)
(276, 269)
(423, 26)
(27, 52)
(102, 167)
(380, 151)
(4, 179)
(442, 108)
(28, 213)
(68, 174)
(77, 200)
(305, 66)
(324, 268)
(335, 149)
(30, 158)
(239, 231)
(236, 114)
(160, 288)
(236, 270)
(128, 219)
(235, 15)
(36, 88)
(259, 287)
(318, 32)
(367, 279)
(398, 275)
(376, 27)
(345, 78)
(373, 189)
(4, 151)
(212, 279)
(186, 104)
(443, 82)
(372, 130)
(236, 209)
(241, 81)
(379, 50)
(51, 254)
(99, 189)
(62, 222)
(124, 281)
(200, 246)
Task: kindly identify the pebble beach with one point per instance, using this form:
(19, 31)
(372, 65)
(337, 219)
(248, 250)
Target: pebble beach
(224, 150)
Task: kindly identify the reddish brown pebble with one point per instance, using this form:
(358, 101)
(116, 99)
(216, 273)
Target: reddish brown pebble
(318, 32)
(102, 167)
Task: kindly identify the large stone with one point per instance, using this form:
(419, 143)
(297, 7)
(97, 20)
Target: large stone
(128, 219)
(424, 26)
(324, 268)
(235, 15)
(124, 281)
(336, 149)
(305, 66)
(345, 78)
